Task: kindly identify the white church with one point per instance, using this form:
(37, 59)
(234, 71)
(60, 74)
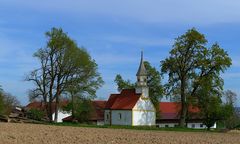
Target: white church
(131, 106)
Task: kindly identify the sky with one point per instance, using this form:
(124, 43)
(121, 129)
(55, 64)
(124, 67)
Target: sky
(114, 33)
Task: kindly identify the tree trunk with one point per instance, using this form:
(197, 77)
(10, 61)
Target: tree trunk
(73, 115)
(50, 111)
(56, 105)
(183, 113)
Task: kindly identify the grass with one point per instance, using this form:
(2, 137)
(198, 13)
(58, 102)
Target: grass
(152, 128)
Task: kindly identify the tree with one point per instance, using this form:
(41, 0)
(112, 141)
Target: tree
(1, 100)
(153, 82)
(230, 97)
(123, 84)
(230, 116)
(62, 65)
(190, 62)
(209, 101)
(83, 87)
(7, 102)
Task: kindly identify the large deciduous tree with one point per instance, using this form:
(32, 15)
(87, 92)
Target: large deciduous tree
(7, 102)
(153, 82)
(62, 65)
(190, 62)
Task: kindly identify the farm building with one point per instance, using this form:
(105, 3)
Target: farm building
(96, 116)
(170, 116)
(40, 106)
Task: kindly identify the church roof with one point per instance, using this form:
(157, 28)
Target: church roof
(126, 100)
(141, 70)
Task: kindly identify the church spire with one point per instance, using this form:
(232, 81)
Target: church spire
(142, 79)
(141, 70)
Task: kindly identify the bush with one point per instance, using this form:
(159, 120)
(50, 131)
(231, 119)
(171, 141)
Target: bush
(35, 114)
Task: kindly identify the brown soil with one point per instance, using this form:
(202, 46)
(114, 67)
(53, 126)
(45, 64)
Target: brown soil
(11, 133)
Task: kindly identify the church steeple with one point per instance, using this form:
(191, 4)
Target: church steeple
(142, 79)
(141, 70)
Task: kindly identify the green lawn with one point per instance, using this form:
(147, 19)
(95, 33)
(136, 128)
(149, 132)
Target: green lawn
(135, 127)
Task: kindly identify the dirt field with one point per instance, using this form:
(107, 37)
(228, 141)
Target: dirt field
(42, 134)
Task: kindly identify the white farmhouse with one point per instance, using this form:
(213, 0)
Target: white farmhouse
(131, 106)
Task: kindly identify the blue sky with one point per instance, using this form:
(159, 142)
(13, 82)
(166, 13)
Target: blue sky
(114, 33)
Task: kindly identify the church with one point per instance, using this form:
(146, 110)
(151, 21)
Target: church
(132, 106)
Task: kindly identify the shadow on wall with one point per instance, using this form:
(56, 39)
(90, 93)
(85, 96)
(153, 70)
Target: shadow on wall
(145, 118)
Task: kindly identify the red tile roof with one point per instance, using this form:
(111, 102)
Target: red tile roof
(171, 110)
(41, 106)
(35, 105)
(111, 100)
(126, 100)
(98, 113)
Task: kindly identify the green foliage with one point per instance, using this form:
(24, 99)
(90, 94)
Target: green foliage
(155, 87)
(84, 110)
(123, 84)
(66, 69)
(153, 82)
(144, 128)
(1, 102)
(35, 114)
(189, 64)
(7, 102)
(229, 116)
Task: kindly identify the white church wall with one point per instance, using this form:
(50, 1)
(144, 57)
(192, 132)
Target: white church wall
(121, 117)
(144, 112)
(144, 104)
(141, 117)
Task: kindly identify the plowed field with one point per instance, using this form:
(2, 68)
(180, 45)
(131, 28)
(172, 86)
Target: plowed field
(11, 133)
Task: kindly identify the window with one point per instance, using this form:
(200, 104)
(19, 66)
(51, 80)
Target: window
(201, 125)
(175, 125)
(193, 125)
(107, 116)
(166, 126)
(120, 116)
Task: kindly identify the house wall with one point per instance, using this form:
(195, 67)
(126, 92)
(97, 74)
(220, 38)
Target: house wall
(61, 115)
(163, 125)
(196, 125)
(107, 117)
(100, 122)
(199, 125)
(144, 112)
(121, 117)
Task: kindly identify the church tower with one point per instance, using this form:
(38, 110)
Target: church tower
(142, 79)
